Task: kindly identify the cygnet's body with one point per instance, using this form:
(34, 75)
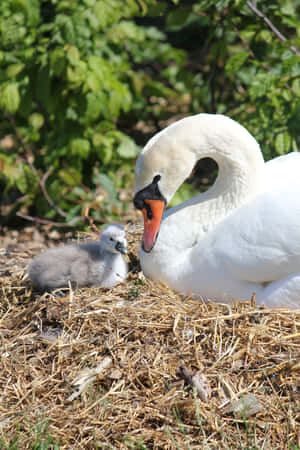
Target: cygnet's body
(92, 264)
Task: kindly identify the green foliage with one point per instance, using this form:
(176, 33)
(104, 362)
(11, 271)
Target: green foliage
(242, 67)
(70, 74)
(78, 77)
(42, 439)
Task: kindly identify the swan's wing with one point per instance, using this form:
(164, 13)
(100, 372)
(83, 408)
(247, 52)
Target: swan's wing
(281, 171)
(260, 241)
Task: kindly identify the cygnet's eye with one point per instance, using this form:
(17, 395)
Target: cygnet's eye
(111, 239)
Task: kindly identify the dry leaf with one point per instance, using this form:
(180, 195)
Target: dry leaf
(246, 406)
(87, 376)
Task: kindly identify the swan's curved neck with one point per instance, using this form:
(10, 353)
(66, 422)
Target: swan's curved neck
(240, 175)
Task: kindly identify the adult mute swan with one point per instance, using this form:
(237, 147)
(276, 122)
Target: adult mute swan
(91, 264)
(242, 236)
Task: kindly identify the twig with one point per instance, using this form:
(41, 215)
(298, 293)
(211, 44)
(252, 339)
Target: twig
(100, 399)
(50, 222)
(61, 224)
(21, 140)
(246, 45)
(42, 182)
(47, 196)
(270, 25)
(18, 135)
(25, 314)
(200, 13)
(90, 220)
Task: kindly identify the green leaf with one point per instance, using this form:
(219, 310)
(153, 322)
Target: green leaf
(105, 126)
(157, 9)
(27, 180)
(14, 69)
(107, 184)
(66, 29)
(261, 85)
(178, 18)
(296, 86)
(288, 8)
(10, 98)
(107, 12)
(101, 67)
(114, 103)
(93, 82)
(97, 139)
(77, 74)
(43, 88)
(70, 176)
(283, 143)
(103, 144)
(80, 147)
(73, 54)
(128, 30)
(235, 62)
(36, 120)
(93, 107)
(31, 8)
(265, 36)
(58, 61)
(107, 154)
(128, 148)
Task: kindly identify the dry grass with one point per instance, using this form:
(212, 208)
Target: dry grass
(147, 337)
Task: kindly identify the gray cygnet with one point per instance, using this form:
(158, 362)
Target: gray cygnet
(91, 264)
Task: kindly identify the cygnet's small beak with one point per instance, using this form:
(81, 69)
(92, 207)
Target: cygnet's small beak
(121, 247)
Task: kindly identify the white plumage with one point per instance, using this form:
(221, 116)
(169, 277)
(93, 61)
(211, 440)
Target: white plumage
(242, 236)
(91, 264)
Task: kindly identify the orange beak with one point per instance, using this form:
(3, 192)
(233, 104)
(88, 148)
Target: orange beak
(151, 226)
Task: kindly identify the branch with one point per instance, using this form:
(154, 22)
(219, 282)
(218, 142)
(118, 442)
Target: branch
(47, 196)
(50, 222)
(42, 182)
(21, 140)
(90, 220)
(71, 222)
(246, 45)
(270, 25)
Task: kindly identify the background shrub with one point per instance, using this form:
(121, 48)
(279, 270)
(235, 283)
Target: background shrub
(83, 84)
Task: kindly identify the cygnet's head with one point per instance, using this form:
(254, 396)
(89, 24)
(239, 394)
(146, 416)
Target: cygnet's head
(113, 239)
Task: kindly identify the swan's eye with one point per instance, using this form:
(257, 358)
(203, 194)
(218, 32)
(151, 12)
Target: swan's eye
(156, 179)
(149, 211)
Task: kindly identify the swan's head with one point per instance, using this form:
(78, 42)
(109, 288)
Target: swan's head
(113, 239)
(160, 169)
(169, 157)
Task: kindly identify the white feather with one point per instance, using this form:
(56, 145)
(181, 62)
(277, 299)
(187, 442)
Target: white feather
(240, 237)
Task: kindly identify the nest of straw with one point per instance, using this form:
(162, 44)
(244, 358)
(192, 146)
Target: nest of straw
(139, 366)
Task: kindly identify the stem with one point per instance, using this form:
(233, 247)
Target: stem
(275, 30)
(47, 196)
(50, 222)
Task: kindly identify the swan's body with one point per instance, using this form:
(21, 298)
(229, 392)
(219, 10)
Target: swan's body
(92, 264)
(242, 235)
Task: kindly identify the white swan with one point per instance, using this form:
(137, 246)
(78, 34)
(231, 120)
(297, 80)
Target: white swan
(91, 264)
(239, 237)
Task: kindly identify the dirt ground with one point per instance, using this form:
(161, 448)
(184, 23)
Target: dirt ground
(139, 366)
